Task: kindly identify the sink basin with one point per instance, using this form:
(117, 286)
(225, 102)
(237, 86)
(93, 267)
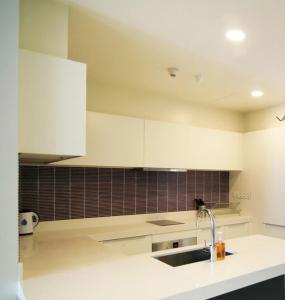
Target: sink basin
(189, 257)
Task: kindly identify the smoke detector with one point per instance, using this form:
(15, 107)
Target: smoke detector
(172, 71)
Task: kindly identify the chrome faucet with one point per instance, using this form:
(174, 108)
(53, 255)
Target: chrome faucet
(213, 253)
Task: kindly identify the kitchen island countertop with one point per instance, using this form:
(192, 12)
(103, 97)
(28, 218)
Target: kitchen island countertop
(90, 270)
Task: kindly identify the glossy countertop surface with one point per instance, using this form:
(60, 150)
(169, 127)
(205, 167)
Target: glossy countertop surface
(79, 247)
(82, 268)
(74, 264)
(104, 231)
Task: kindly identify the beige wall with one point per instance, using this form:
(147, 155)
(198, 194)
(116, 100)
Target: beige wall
(44, 27)
(110, 99)
(265, 118)
(8, 149)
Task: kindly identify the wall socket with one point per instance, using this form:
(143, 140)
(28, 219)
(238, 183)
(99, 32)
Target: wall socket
(237, 196)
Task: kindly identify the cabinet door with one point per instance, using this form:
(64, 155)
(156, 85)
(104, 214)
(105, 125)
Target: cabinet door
(170, 145)
(177, 235)
(131, 246)
(52, 105)
(114, 141)
(165, 145)
(215, 149)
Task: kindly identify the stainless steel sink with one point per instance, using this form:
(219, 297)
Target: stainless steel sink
(189, 257)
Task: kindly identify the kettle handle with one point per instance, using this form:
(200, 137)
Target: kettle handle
(36, 222)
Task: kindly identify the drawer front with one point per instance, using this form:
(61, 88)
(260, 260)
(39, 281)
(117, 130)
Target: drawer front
(157, 238)
(130, 246)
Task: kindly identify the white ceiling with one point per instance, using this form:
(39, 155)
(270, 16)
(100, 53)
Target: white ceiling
(132, 42)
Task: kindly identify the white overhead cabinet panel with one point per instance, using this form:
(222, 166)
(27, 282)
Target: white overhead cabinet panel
(119, 141)
(52, 107)
(211, 149)
(112, 141)
(169, 145)
(165, 145)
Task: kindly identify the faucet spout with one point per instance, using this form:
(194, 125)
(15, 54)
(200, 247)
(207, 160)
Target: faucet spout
(213, 252)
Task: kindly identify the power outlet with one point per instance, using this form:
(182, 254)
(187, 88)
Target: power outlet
(238, 196)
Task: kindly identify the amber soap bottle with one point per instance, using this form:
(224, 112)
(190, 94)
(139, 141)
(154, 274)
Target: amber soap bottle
(220, 247)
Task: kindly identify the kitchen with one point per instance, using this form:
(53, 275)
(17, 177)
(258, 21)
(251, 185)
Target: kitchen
(150, 142)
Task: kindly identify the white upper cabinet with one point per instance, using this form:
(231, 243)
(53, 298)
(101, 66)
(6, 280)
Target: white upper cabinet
(169, 145)
(165, 145)
(113, 141)
(211, 149)
(52, 107)
(118, 141)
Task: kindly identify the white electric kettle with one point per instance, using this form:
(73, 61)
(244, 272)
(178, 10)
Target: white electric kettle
(27, 221)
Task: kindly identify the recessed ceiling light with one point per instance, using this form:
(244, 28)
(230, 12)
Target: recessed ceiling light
(235, 35)
(256, 93)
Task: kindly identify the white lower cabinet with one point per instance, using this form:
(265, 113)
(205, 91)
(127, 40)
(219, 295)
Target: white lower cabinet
(131, 246)
(171, 236)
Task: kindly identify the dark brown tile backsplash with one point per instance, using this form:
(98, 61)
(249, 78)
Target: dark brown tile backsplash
(60, 193)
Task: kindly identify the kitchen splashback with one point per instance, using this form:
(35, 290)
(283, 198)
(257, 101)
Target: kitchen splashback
(60, 193)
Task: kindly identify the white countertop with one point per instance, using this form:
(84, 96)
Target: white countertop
(89, 270)
(142, 228)
(121, 231)
(69, 264)
(80, 246)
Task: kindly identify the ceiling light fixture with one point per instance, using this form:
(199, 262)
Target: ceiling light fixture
(235, 35)
(256, 93)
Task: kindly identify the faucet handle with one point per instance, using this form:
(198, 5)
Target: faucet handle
(205, 242)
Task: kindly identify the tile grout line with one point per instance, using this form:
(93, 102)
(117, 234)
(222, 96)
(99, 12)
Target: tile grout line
(157, 192)
(167, 192)
(219, 189)
(98, 192)
(195, 184)
(38, 190)
(19, 189)
(84, 192)
(211, 200)
(124, 191)
(146, 198)
(111, 191)
(186, 185)
(69, 187)
(176, 191)
(204, 178)
(135, 192)
(54, 193)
